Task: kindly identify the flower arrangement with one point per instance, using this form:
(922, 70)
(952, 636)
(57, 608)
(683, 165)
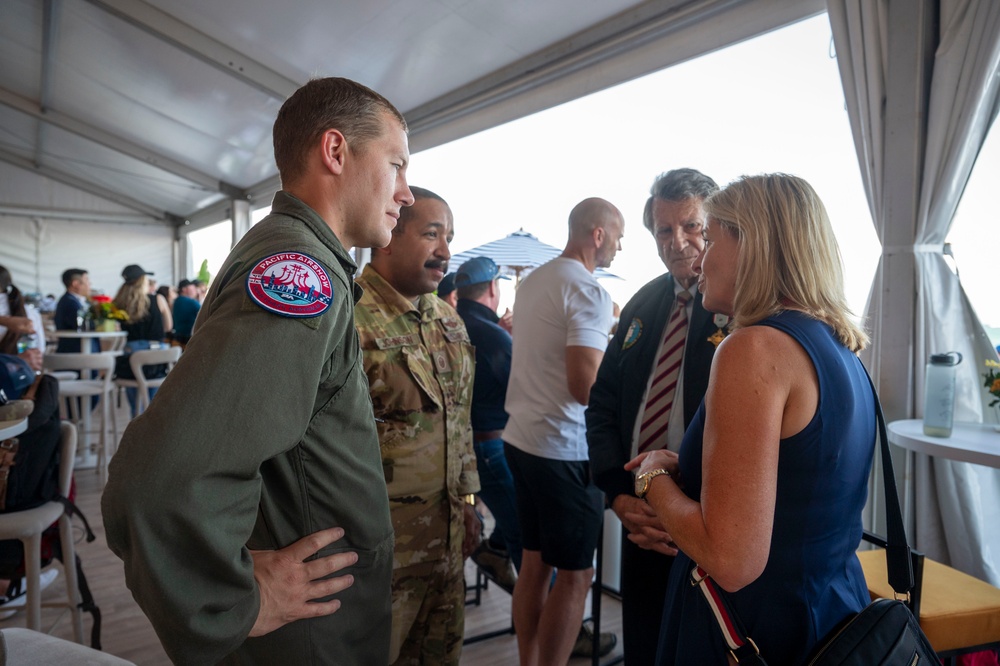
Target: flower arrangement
(992, 380)
(102, 309)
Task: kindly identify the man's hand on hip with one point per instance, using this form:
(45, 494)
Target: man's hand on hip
(288, 583)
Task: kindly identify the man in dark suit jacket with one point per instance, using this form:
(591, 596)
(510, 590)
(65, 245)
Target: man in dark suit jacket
(77, 283)
(675, 217)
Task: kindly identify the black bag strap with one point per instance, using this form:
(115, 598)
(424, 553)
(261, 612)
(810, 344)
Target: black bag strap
(897, 551)
(897, 555)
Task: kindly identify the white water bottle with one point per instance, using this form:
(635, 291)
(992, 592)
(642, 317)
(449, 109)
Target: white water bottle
(939, 394)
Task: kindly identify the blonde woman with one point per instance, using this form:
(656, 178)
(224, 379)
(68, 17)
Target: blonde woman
(144, 325)
(767, 490)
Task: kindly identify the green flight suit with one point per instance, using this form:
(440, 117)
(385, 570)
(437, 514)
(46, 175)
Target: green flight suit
(262, 434)
(420, 368)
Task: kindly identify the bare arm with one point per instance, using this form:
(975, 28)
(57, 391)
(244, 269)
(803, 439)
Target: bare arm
(581, 371)
(763, 387)
(168, 317)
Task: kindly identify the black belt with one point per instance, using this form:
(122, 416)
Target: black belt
(486, 435)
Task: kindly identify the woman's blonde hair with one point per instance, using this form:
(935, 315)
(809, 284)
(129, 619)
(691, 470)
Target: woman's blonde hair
(788, 254)
(133, 298)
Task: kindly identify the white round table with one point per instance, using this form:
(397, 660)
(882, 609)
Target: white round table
(977, 443)
(118, 338)
(13, 428)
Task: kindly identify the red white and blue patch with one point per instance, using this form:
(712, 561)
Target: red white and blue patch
(290, 284)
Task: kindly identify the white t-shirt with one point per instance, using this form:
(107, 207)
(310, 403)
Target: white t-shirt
(559, 305)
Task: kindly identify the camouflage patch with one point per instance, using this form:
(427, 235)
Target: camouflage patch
(441, 361)
(397, 341)
(455, 336)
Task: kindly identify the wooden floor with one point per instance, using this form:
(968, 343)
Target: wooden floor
(127, 633)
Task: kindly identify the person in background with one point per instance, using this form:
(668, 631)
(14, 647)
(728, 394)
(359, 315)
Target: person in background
(649, 386)
(71, 309)
(273, 544)
(478, 290)
(145, 327)
(446, 290)
(186, 307)
(201, 288)
(767, 492)
(169, 293)
(561, 321)
(420, 372)
(21, 331)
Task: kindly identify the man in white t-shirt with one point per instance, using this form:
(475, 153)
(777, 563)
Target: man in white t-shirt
(562, 318)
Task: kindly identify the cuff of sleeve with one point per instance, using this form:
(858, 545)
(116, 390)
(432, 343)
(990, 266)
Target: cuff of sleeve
(468, 483)
(615, 482)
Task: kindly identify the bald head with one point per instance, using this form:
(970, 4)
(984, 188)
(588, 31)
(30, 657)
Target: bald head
(590, 214)
(595, 231)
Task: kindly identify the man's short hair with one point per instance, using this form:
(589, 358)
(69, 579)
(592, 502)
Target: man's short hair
(320, 105)
(71, 275)
(473, 291)
(405, 213)
(677, 185)
(185, 283)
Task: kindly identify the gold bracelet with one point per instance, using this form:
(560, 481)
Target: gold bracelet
(470, 499)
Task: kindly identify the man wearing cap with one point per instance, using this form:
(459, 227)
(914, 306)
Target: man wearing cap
(446, 290)
(186, 307)
(478, 289)
(248, 502)
(649, 386)
(420, 369)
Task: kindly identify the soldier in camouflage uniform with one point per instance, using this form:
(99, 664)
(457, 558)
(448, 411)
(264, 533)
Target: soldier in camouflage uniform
(420, 370)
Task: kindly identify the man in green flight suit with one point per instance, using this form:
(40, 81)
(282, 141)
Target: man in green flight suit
(420, 369)
(248, 501)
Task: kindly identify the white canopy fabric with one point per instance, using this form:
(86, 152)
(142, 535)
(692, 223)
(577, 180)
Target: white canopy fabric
(922, 91)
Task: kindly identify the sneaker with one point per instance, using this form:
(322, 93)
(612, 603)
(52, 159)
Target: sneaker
(10, 606)
(496, 565)
(584, 646)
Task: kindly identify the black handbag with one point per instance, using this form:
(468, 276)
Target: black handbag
(884, 633)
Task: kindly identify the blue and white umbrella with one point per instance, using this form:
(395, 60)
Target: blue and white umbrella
(516, 255)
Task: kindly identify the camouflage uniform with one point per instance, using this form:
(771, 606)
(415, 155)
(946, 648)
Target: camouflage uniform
(420, 369)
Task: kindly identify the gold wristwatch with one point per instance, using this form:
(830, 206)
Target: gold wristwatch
(643, 480)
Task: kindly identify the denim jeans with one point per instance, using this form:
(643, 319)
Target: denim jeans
(133, 394)
(497, 493)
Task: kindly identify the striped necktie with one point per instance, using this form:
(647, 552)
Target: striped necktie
(652, 433)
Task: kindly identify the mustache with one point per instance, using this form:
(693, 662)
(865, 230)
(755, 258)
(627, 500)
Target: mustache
(439, 264)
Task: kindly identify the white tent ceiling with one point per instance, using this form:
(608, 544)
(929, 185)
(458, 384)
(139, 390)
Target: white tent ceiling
(162, 111)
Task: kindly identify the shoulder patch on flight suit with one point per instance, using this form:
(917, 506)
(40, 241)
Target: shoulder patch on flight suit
(290, 284)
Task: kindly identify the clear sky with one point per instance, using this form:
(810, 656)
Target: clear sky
(774, 103)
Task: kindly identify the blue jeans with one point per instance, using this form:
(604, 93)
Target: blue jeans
(497, 493)
(133, 394)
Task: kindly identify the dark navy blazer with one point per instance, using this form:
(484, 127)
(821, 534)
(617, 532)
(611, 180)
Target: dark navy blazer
(624, 373)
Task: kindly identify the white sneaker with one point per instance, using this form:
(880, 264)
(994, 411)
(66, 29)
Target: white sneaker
(10, 606)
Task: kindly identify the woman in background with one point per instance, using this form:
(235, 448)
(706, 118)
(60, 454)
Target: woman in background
(19, 321)
(767, 491)
(144, 327)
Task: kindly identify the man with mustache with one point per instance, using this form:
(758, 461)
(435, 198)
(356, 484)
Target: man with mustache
(420, 371)
(649, 386)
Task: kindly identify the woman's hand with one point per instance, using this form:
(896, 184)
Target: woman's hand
(650, 460)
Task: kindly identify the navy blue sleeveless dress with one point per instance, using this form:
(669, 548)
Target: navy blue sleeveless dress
(812, 579)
